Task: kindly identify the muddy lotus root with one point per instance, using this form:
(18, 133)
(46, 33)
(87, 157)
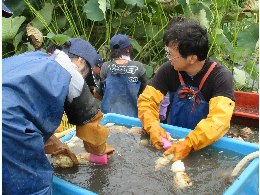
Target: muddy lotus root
(178, 166)
(136, 130)
(61, 161)
(144, 142)
(182, 180)
(161, 162)
(118, 129)
(83, 158)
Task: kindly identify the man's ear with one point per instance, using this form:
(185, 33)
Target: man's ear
(192, 59)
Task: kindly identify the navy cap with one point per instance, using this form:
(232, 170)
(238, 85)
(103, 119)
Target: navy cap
(119, 42)
(83, 49)
(6, 12)
(98, 60)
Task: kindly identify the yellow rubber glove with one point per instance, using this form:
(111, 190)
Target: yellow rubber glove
(208, 130)
(94, 136)
(148, 112)
(59, 129)
(180, 150)
(156, 132)
(215, 126)
(54, 146)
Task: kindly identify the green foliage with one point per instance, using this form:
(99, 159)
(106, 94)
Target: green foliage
(10, 27)
(43, 17)
(93, 11)
(149, 71)
(136, 45)
(232, 27)
(139, 3)
(248, 37)
(58, 39)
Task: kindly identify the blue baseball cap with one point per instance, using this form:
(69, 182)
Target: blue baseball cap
(83, 49)
(119, 42)
(6, 12)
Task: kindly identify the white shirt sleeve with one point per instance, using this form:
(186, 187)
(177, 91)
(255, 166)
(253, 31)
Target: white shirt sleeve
(77, 81)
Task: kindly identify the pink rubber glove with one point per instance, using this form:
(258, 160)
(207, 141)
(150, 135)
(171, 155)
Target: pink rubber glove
(102, 159)
(166, 143)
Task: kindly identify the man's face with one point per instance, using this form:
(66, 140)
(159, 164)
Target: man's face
(96, 69)
(178, 62)
(82, 65)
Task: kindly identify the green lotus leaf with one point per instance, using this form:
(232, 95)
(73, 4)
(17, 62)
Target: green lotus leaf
(95, 10)
(139, 3)
(44, 17)
(10, 27)
(58, 39)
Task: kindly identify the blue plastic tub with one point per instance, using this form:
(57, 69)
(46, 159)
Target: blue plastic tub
(246, 183)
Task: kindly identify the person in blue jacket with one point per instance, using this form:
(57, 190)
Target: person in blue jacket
(36, 89)
(122, 79)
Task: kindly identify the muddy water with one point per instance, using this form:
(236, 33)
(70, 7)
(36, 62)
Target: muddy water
(131, 170)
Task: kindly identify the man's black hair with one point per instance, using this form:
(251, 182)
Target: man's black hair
(189, 37)
(128, 51)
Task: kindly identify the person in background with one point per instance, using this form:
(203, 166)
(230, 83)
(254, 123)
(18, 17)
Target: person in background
(201, 90)
(122, 79)
(98, 61)
(96, 69)
(89, 79)
(36, 89)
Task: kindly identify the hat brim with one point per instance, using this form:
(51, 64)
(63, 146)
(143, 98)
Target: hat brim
(6, 11)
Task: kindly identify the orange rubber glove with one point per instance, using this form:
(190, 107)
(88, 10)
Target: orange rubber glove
(94, 136)
(54, 146)
(148, 112)
(180, 150)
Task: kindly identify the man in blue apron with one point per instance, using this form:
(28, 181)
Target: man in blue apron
(123, 79)
(36, 89)
(201, 91)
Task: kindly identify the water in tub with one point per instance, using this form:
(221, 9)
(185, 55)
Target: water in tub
(131, 170)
